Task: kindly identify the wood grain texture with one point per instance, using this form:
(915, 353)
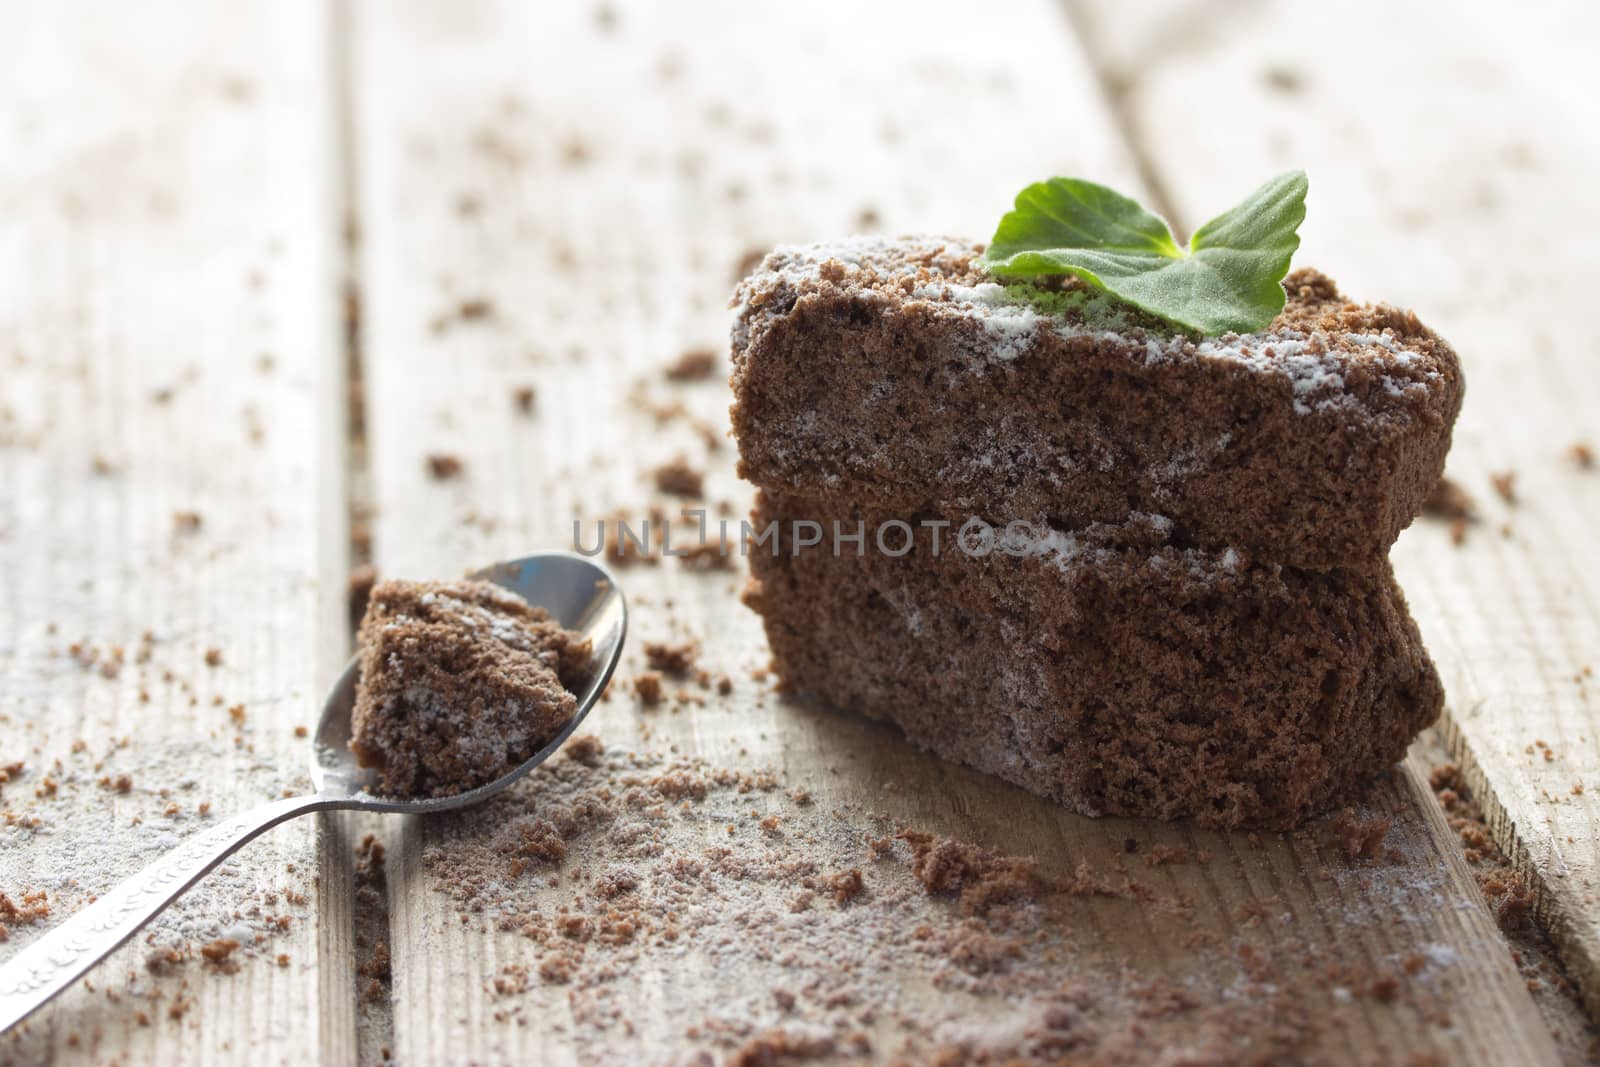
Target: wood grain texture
(1452, 172)
(167, 343)
(558, 196)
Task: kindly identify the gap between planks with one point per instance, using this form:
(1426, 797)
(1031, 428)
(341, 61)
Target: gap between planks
(371, 1023)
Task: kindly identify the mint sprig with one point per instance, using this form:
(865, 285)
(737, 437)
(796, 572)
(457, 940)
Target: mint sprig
(1228, 278)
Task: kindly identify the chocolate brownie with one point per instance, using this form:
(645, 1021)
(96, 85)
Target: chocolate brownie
(1114, 667)
(893, 373)
(461, 682)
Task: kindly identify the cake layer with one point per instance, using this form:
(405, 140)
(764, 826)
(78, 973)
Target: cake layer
(1107, 668)
(891, 373)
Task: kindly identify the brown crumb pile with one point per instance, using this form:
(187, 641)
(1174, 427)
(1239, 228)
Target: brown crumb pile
(979, 880)
(371, 931)
(1506, 890)
(460, 683)
(679, 478)
(1512, 901)
(821, 933)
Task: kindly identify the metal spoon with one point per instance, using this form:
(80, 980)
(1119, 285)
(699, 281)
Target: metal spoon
(577, 593)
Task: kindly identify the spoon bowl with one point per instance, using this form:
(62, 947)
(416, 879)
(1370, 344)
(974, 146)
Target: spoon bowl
(579, 595)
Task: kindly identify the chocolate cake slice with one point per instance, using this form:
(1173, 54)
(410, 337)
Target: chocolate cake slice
(893, 374)
(1111, 667)
(461, 682)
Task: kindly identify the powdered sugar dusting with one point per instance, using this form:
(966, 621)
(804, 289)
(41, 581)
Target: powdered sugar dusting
(938, 273)
(818, 931)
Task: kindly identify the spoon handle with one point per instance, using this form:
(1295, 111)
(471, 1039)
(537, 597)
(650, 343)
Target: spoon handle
(59, 958)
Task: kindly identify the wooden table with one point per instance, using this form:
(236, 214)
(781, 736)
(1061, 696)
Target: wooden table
(258, 261)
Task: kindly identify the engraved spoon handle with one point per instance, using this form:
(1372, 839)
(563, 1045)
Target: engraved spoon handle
(31, 977)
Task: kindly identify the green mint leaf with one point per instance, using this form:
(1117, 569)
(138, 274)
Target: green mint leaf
(1229, 278)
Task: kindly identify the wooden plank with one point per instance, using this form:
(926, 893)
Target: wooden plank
(1443, 175)
(169, 457)
(558, 197)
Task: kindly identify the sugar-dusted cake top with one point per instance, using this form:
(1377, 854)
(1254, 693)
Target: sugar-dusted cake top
(1317, 341)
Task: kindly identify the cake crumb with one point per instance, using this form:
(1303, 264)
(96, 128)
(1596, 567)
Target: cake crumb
(475, 309)
(1384, 988)
(1505, 485)
(1360, 838)
(526, 399)
(219, 953)
(163, 959)
(647, 685)
(444, 466)
(669, 658)
(678, 478)
(584, 748)
(1450, 501)
(845, 886)
(694, 365)
(627, 543)
(557, 969)
(1581, 453)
